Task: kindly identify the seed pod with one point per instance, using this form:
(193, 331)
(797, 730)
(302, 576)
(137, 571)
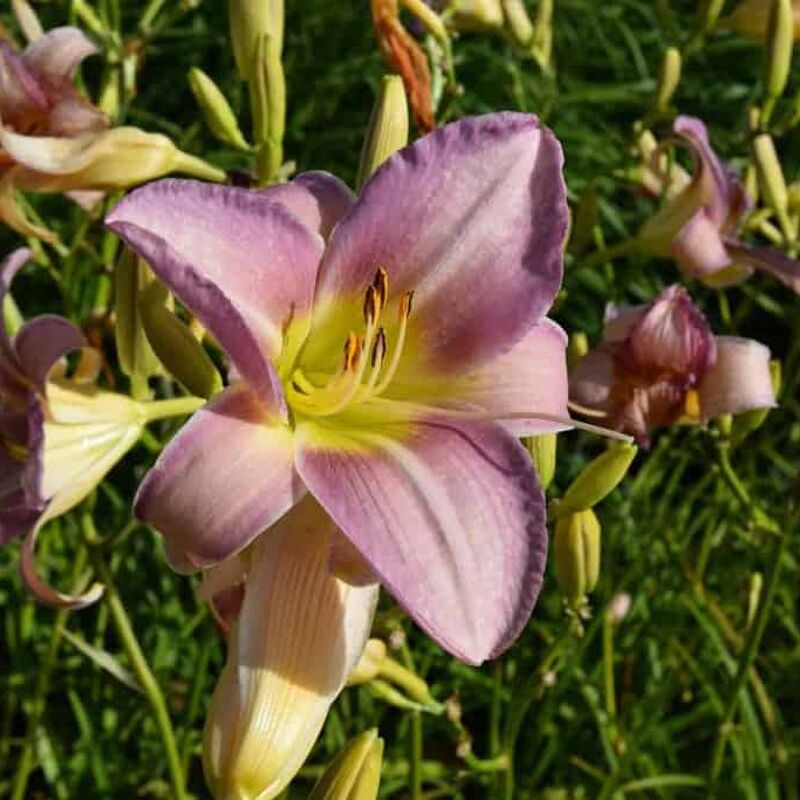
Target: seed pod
(597, 480)
(576, 549)
(181, 354)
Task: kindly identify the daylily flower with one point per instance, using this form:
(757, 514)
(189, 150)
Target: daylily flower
(660, 364)
(59, 435)
(397, 417)
(699, 223)
(54, 140)
(751, 18)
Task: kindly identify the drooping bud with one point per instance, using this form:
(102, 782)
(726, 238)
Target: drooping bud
(388, 127)
(355, 773)
(576, 549)
(668, 79)
(177, 349)
(597, 480)
(248, 20)
(543, 454)
(778, 53)
(216, 110)
(136, 357)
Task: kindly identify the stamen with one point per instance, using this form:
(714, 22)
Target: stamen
(352, 351)
(381, 284)
(376, 363)
(587, 411)
(372, 306)
(404, 311)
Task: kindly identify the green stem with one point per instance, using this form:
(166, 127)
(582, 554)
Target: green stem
(26, 760)
(174, 407)
(748, 656)
(139, 663)
(415, 756)
(600, 257)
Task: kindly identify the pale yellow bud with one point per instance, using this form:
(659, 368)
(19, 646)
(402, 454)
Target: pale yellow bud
(576, 549)
(778, 54)
(668, 79)
(355, 774)
(477, 14)
(518, 22)
(216, 110)
(543, 454)
(598, 479)
(250, 19)
(369, 665)
(388, 127)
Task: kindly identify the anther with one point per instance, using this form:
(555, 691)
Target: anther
(379, 348)
(372, 305)
(405, 305)
(381, 284)
(352, 350)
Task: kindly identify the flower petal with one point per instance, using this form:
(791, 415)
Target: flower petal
(242, 263)
(56, 55)
(592, 380)
(9, 267)
(449, 514)
(223, 479)
(699, 248)
(41, 342)
(472, 218)
(20, 92)
(777, 265)
(300, 633)
(318, 199)
(740, 380)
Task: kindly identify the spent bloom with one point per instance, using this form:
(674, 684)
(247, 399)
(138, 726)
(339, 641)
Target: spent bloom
(386, 351)
(52, 139)
(699, 223)
(59, 435)
(659, 364)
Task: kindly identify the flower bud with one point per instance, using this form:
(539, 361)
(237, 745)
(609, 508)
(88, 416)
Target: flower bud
(248, 20)
(518, 22)
(268, 101)
(369, 665)
(770, 174)
(27, 19)
(543, 454)
(754, 597)
(355, 774)
(577, 348)
(471, 15)
(177, 349)
(668, 79)
(218, 114)
(597, 480)
(778, 54)
(388, 127)
(576, 549)
(136, 357)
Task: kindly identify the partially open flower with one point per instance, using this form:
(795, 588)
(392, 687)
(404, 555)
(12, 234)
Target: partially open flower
(659, 364)
(52, 139)
(698, 224)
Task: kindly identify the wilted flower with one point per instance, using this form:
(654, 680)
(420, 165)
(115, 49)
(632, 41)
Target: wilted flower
(54, 140)
(399, 422)
(659, 364)
(699, 223)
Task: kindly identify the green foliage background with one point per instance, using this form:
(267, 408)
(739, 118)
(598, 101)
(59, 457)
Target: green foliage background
(675, 537)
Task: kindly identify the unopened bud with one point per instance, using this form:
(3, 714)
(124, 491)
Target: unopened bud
(577, 348)
(770, 174)
(268, 101)
(369, 665)
(355, 774)
(27, 20)
(597, 480)
(543, 454)
(778, 55)
(668, 79)
(576, 549)
(518, 22)
(248, 20)
(216, 110)
(794, 198)
(180, 353)
(388, 127)
(750, 421)
(136, 357)
(754, 596)
(477, 15)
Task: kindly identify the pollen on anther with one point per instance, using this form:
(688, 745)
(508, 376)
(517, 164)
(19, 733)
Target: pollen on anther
(352, 351)
(381, 284)
(379, 348)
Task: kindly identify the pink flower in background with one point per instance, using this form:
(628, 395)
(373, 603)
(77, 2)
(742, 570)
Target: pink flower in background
(699, 223)
(660, 363)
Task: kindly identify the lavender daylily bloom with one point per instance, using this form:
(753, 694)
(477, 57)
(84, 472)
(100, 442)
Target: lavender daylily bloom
(399, 417)
(58, 436)
(660, 363)
(700, 221)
